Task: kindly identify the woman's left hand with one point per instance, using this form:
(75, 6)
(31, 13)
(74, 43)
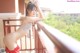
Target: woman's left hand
(36, 4)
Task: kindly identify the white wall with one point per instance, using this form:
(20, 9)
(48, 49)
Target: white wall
(1, 34)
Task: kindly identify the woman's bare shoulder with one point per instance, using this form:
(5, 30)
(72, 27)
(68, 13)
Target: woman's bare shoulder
(22, 18)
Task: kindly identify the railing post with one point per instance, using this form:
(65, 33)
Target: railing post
(8, 28)
(38, 45)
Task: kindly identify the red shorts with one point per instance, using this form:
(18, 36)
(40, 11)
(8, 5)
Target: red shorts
(16, 50)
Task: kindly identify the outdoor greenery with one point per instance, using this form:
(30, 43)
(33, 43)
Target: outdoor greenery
(69, 24)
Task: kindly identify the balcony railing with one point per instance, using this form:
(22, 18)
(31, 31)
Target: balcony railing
(46, 39)
(29, 43)
(63, 43)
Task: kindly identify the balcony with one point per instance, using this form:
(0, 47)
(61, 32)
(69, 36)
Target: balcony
(42, 39)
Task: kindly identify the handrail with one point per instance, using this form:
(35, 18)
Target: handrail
(63, 42)
(11, 20)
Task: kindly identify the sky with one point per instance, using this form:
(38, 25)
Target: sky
(61, 6)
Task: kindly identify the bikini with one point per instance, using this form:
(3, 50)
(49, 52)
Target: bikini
(16, 50)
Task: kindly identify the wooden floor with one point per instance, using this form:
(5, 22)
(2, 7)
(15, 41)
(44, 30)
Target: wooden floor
(27, 52)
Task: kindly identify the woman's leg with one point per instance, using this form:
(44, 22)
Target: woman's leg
(10, 41)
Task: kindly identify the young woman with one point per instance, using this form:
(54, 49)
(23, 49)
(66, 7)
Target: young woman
(11, 39)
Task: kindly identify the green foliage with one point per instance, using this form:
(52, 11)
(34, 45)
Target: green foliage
(66, 23)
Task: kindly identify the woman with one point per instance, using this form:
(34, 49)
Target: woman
(11, 39)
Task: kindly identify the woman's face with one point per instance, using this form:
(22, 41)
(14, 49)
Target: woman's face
(32, 12)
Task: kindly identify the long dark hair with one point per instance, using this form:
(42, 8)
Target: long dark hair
(30, 7)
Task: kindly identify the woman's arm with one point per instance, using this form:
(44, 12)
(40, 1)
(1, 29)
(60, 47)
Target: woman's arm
(40, 14)
(21, 20)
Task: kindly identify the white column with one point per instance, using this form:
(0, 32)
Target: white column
(16, 6)
(17, 9)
